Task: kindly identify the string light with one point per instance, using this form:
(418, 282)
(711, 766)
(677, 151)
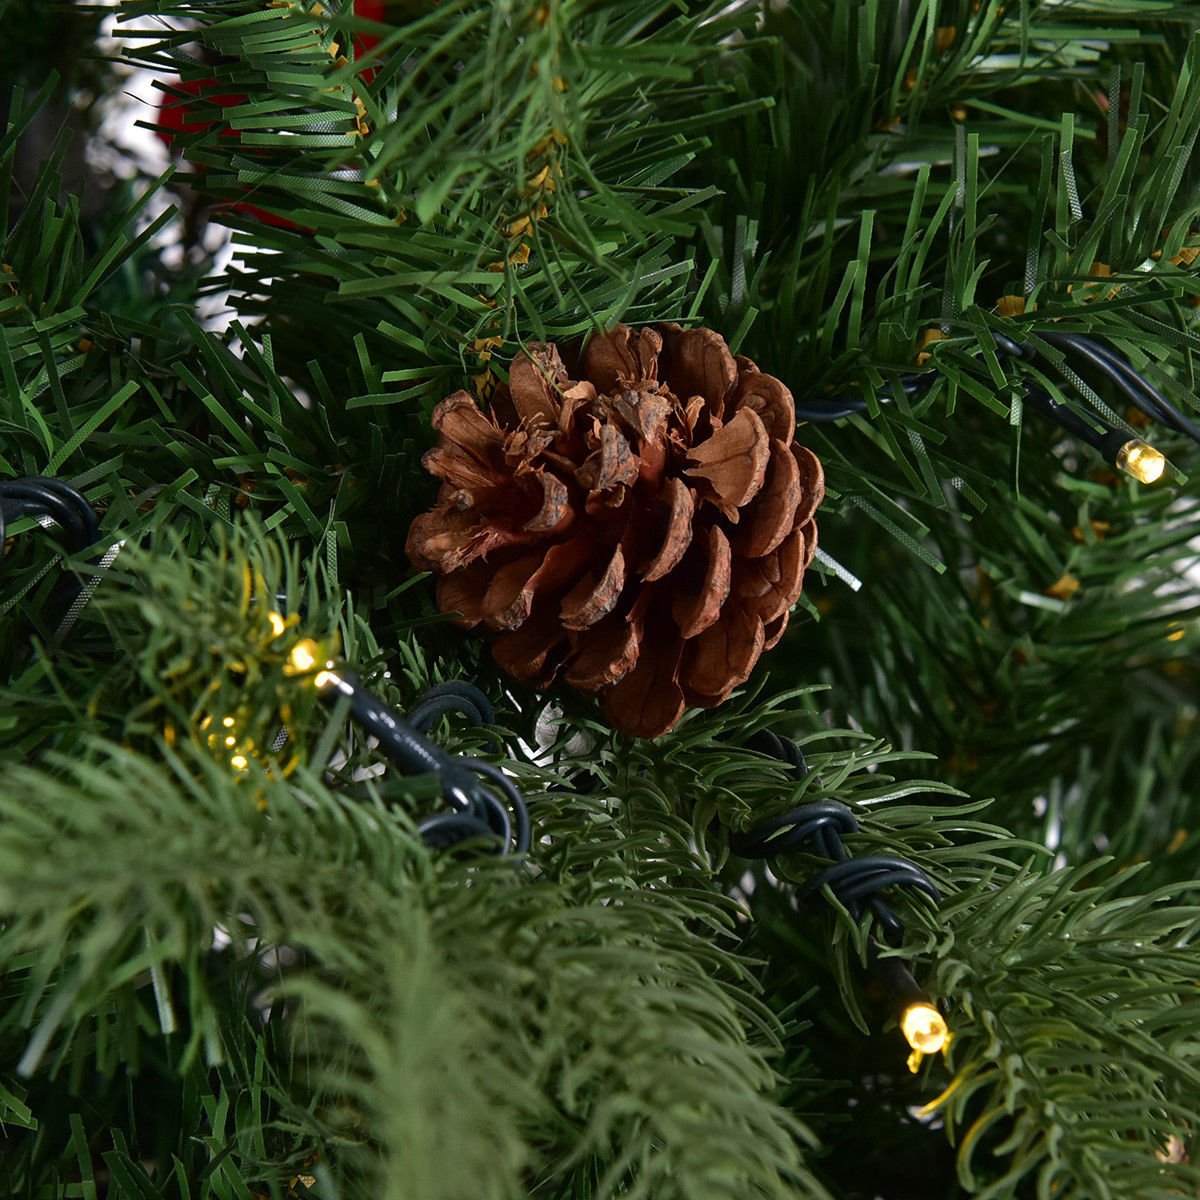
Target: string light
(925, 1030)
(855, 883)
(1134, 457)
(920, 1020)
(1143, 462)
(484, 801)
(304, 657)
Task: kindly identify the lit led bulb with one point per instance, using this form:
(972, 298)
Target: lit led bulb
(303, 656)
(1142, 461)
(925, 1030)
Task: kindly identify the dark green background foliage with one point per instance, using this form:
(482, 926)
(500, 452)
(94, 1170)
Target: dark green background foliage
(217, 986)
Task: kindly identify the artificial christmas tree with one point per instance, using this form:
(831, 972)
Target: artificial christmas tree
(303, 894)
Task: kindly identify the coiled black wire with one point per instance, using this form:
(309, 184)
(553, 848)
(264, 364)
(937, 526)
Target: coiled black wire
(42, 496)
(854, 882)
(484, 802)
(478, 811)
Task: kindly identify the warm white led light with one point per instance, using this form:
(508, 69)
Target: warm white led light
(304, 656)
(924, 1028)
(1141, 461)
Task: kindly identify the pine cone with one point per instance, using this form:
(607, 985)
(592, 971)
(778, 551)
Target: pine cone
(638, 520)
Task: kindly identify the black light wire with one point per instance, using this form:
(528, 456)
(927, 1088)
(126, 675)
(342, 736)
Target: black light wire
(42, 496)
(1134, 386)
(56, 505)
(484, 802)
(855, 883)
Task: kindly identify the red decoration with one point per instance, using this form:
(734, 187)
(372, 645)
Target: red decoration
(177, 114)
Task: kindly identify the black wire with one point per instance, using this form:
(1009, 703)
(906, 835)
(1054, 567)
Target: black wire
(1121, 374)
(483, 800)
(854, 882)
(444, 830)
(68, 508)
(1136, 388)
(1067, 418)
(838, 408)
(42, 496)
(452, 696)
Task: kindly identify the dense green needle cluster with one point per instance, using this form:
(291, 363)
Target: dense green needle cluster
(229, 966)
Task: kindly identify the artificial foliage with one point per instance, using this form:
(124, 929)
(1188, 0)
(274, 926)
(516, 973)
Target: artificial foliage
(233, 969)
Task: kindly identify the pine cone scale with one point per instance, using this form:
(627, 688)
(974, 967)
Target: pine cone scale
(609, 653)
(678, 534)
(593, 599)
(733, 462)
(649, 696)
(724, 655)
(693, 614)
(555, 512)
(459, 420)
(510, 597)
(770, 585)
(766, 396)
(532, 381)
(772, 516)
(527, 653)
(636, 519)
(697, 362)
(812, 484)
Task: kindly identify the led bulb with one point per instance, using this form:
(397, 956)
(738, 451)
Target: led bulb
(239, 762)
(924, 1028)
(1141, 461)
(303, 656)
(278, 624)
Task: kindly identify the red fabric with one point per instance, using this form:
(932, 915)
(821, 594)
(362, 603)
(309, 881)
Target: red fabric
(369, 10)
(176, 115)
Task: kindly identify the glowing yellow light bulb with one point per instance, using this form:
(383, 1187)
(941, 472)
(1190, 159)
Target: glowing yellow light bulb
(324, 679)
(227, 722)
(1141, 461)
(303, 656)
(239, 762)
(231, 741)
(278, 624)
(924, 1028)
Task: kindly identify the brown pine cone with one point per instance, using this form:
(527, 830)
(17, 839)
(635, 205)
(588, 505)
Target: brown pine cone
(638, 519)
